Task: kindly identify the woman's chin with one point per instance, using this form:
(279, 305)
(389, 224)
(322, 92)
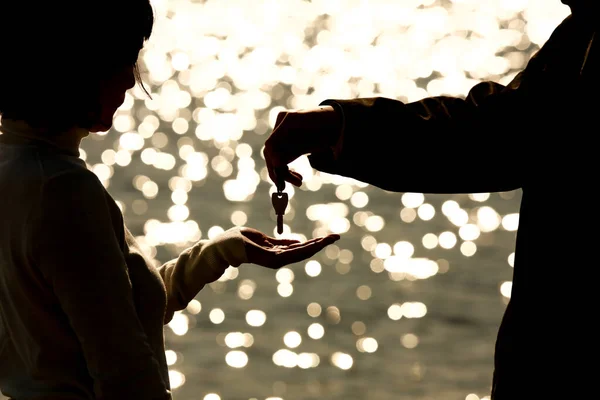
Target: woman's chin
(101, 127)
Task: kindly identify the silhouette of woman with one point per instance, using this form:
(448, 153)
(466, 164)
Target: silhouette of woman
(81, 309)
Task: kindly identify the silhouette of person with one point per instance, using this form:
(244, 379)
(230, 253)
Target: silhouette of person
(533, 135)
(82, 310)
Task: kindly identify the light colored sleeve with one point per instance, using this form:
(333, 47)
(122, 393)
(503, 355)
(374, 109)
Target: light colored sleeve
(196, 266)
(80, 257)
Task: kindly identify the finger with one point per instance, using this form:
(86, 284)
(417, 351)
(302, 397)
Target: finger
(294, 178)
(280, 150)
(300, 253)
(332, 237)
(277, 163)
(280, 174)
(295, 174)
(272, 157)
(277, 160)
(269, 156)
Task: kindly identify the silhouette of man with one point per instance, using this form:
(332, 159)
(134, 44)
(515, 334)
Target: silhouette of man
(535, 134)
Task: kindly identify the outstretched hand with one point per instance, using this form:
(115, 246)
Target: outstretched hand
(275, 253)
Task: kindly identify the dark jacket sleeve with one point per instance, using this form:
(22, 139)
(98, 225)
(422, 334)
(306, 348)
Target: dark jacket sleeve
(486, 142)
(436, 145)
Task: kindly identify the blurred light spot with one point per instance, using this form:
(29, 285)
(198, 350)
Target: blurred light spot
(506, 289)
(488, 219)
(239, 218)
(176, 378)
(374, 223)
(312, 268)
(215, 231)
(368, 243)
(412, 200)
(426, 212)
(216, 316)
(429, 241)
(316, 331)
(285, 358)
(342, 360)
(363, 292)
(255, 318)
(468, 248)
(179, 323)
(383, 250)
(395, 312)
(404, 249)
(284, 275)
(408, 215)
(246, 289)
(480, 197)
(510, 222)
(292, 339)
(469, 232)
(344, 192)
(333, 314)
(236, 359)
(150, 189)
(194, 307)
(285, 289)
(313, 309)
(171, 357)
(308, 360)
(359, 199)
(367, 345)
(409, 340)
(358, 328)
(447, 240)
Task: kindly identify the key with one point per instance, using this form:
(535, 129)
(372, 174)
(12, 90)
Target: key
(279, 198)
(280, 202)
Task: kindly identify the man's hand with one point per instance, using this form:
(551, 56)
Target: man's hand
(275, 253)
(297, 133)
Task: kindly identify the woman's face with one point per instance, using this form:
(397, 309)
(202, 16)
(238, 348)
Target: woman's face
(111, 95)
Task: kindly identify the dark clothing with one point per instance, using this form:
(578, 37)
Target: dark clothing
(82, 309)
(534, 135)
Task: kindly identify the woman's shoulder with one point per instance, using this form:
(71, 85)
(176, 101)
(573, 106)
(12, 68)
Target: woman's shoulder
(52, 165)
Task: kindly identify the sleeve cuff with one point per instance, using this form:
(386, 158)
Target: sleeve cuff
(337, 146)
(228, 246)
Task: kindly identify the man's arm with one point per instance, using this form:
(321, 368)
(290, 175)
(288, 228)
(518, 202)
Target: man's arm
(436, 145)
(80, 257)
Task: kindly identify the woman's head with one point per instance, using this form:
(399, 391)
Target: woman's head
(69, 63)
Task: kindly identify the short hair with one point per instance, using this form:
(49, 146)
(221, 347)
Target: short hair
(55, 54)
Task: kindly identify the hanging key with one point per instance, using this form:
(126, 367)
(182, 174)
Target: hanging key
(280, 198)
(280, 202)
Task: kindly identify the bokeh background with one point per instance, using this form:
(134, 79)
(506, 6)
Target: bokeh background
(407, 304)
